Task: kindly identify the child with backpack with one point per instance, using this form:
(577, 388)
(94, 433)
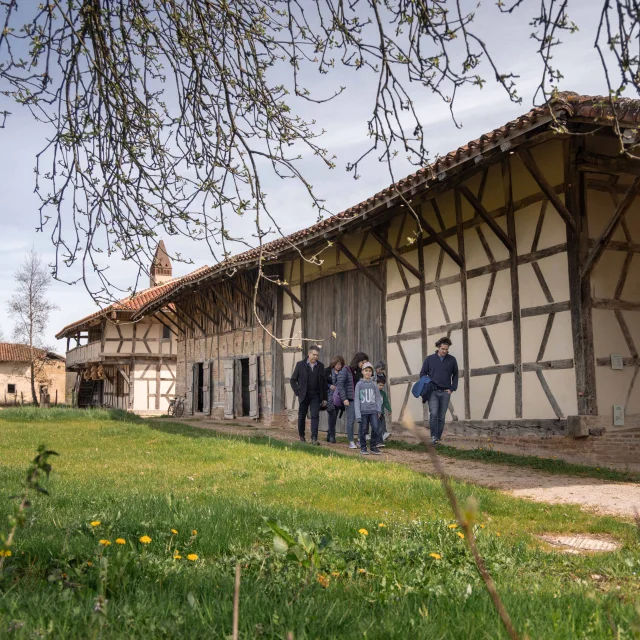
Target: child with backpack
(368, 407)
(335, 405)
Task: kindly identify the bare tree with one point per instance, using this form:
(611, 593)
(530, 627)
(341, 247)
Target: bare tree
(29, 309)
(166, 116)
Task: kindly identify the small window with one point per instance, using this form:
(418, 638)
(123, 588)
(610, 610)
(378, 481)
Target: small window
(11, 388)
(166, 333)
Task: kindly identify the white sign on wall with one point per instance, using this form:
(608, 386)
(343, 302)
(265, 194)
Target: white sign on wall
(618, 415)
(616, 361)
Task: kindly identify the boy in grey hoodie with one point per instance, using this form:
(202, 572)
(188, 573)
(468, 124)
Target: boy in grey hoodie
(368, 406)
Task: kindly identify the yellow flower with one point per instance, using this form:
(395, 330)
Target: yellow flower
(436, 556)
(335, 574)
(96, 523)
(6, 553)
(323, 580)
(453, 526)
(145, 539)
(194, 532)
(105, 543)
(363, 532)
(89, 563)
(382, 524)
(460, 535)
(177, 556)
(192, 556)
(498, 535)
(121, 541)
(362, 571)
(482, 526)
(175, 533)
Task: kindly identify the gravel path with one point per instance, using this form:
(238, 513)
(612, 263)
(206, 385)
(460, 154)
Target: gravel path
(598, 496)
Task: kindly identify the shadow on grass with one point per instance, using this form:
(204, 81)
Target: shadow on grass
(182, 429)
(66, 414)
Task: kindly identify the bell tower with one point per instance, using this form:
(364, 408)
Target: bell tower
(161, 270)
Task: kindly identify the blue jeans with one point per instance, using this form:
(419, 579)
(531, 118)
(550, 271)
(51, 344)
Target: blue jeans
(438, 405)
(350, 411)
(366, 420)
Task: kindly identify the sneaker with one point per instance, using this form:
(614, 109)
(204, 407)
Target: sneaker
(315, 442)
(385, 435)
(303, 439)
(380, 445)
(352, 445)
(364, 452)
(332, 441)
(376, 451)
(434, 441)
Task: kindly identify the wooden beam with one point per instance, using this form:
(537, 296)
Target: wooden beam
(170, 320)
(615, 305)
(507, 187)
(403, 261)
(610, 229)
(463, 293)
(596, 163)
(162, 322)
(183, 317)
(437, 238)
(236, 287)
(359, 265)
(545, 187)
(216, 296)
(290, 293)
(206, 315)
(123, 374)
(486, 216)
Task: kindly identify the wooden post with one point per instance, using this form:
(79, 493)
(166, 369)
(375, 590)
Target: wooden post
(303, 309)
(56, 404)
(465, 313)
(515, 284)
(579, 287)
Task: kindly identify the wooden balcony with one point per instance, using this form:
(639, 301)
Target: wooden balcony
(83, 354)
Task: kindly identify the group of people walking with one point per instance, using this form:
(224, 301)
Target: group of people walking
(359, 391)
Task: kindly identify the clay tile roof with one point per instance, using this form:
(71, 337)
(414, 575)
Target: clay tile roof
(133, 303)
(10, 352)
(567, 104)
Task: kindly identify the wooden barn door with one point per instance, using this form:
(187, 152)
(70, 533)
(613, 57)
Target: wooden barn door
(254, 397)
(351, 306)
(191, 387)
(229, 384)
(206, 388)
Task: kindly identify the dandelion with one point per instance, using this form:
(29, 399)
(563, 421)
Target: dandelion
(435, 556)
(363, 532)
(177, 556)
(460, 535)
(482, 526)
(194, 532)
(192, 556)
(96, 523)
(5, 553)
(335, 574)
(498, 535)
(362, 571)
(323, 580)
(175, 533)
(105, 543)
(121, 541)
(381, 525)
(145, 539)
(453, 526)
(89, 563)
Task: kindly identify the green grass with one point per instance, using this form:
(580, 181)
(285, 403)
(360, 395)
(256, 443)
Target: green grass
(140, 477)
(548, 465)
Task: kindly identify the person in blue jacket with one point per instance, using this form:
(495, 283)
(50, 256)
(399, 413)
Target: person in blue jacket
(442, 368)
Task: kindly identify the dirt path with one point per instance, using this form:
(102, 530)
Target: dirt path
(599, 496)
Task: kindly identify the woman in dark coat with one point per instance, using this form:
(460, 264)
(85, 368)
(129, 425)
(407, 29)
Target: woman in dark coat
(332, 411)
(346, 384)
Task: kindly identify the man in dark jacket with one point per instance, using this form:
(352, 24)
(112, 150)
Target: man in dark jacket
(309, 385)
(442, 368)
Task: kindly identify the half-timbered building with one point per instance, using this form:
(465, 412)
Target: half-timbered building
(126, 363)
(522, 246)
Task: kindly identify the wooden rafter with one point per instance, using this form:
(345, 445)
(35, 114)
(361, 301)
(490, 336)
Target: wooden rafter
(184, 316)
(403, 261)
(206, 315)
(359, 266)
(609, 230)
(486, 216)
(249, 296)
(217, 296)
(545, 187)
(170, 320)
(596, 163)
(210, 300)
(163, 323)
(290, 293)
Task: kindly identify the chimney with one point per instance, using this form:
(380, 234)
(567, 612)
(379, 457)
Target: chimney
(161, 270)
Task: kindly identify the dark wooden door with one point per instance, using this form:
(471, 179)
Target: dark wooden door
(351, 306)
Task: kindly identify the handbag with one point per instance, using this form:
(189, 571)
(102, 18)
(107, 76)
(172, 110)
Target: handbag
(336, 399)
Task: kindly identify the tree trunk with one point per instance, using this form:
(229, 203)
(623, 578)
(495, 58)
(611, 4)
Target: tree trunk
(33, 383)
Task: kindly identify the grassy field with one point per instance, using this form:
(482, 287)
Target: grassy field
(197, 493)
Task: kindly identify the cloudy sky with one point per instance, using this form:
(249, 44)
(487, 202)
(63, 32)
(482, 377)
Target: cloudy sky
(344, 120)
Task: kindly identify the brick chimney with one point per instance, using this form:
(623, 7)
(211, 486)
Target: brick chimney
(161, 270)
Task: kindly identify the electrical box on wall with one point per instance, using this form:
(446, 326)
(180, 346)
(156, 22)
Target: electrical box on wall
(618, 415)
(616, 361)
